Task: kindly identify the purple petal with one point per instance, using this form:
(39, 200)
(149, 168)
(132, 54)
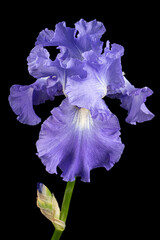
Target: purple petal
(87, 39)
(39, 187)
(63, 36)
(22, 98)
(45, 38)
(89, 35)
(93, 28)
(84, 92)
(134, 104)
(38, 60)
(40, 65)
(114, 76)
(133, 100)
(77, 140)
(75, 67)
(103, 74)
(46, 89)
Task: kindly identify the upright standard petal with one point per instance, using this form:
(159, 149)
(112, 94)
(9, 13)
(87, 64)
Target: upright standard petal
(50, 83)
(103, 74)
(94, 28)
(78, 140)
(88, 37)
(40, 65)
(63, 36)
(38, 61)
(89, 34)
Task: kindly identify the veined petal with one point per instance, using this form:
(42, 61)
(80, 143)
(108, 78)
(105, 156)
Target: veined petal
(46, 89)
(22, 98)
(38, 61)
(40, 65)
(88, 37)
(114, 76)
(78, 140)
(104, 73)
(93, 28)
(63, 36)
(84, 92)
(133, 100)
(134, 103)
(75, 67)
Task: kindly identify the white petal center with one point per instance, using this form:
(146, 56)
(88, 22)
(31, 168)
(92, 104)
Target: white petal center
(83, 119)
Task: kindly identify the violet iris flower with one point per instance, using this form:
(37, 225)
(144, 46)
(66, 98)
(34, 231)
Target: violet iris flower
(82, 133)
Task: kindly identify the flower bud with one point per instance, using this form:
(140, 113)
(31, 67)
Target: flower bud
(49, 207)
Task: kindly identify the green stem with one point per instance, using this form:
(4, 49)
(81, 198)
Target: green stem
(65, 208)
(56, 235)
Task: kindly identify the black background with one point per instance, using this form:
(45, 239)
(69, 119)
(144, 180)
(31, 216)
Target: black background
(121, 202)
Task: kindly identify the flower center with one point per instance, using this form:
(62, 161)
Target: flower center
(83, 119)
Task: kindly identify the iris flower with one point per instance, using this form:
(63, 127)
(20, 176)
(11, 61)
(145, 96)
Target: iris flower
(82, 133)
